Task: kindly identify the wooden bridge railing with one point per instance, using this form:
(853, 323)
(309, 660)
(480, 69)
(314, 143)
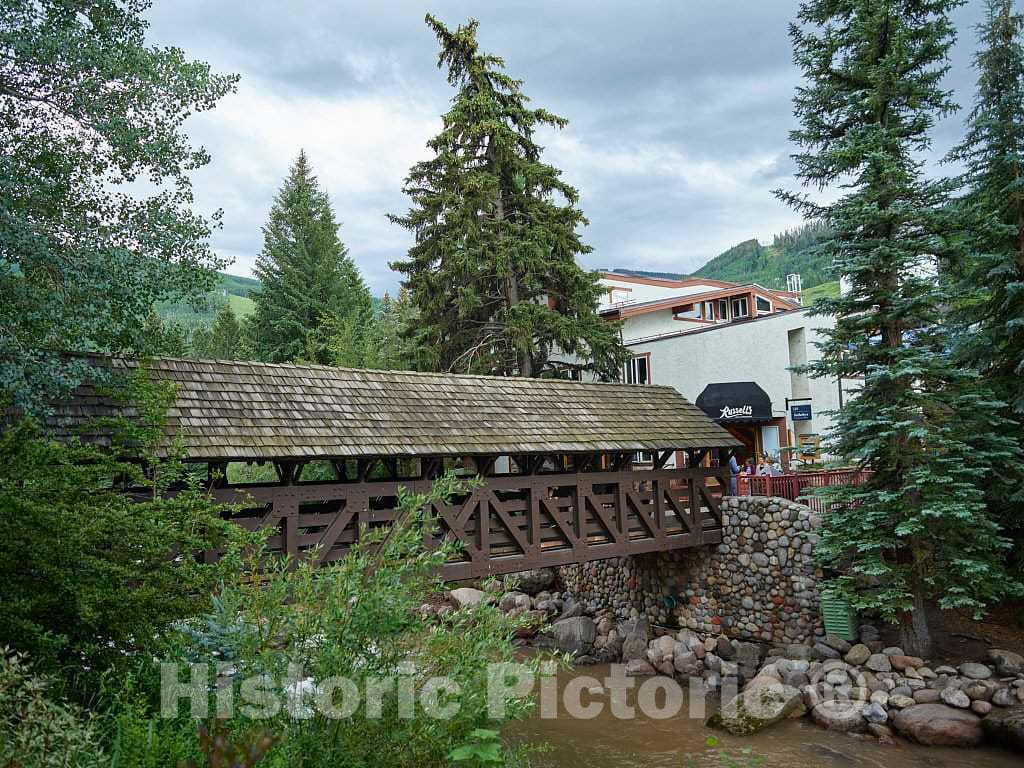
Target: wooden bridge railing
(510, 524)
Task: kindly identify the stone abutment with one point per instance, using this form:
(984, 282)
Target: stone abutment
(760, 583)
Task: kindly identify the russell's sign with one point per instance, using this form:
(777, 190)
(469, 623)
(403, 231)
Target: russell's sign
(738, 412)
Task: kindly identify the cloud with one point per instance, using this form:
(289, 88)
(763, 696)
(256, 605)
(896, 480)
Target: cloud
(679, 114)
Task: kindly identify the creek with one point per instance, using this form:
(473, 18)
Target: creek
(681, 741)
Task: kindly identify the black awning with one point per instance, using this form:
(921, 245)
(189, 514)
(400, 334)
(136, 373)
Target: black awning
(735, 401)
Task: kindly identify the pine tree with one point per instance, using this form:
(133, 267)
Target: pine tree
(223, 341)
(161, 337)
(493, 271)
(918, 528)
(309, 282)
(991, 288)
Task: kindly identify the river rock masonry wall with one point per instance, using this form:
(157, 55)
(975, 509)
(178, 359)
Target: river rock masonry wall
(760, 583)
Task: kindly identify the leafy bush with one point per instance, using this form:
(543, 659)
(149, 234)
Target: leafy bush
(359, 619)
(92, 576)
(37, 731)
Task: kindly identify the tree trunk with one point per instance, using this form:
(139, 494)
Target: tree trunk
(915, 638)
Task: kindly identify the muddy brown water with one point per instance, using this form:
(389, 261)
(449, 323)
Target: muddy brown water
(605, 741)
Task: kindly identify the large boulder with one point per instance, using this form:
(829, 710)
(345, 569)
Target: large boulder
(634, 643)
(1006, 726)
(467, 596)
(939, 725)
(575, 635)
(534, 581)
(1007, 663)
(762, 703)
(840, 715)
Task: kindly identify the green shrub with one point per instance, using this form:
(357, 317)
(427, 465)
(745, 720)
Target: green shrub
(359, 619)
(37, 731)
(93, 578)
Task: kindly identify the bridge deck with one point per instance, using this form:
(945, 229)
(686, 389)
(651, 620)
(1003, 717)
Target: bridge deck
(510, 524)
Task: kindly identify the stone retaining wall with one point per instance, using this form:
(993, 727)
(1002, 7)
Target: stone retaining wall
(760, 583)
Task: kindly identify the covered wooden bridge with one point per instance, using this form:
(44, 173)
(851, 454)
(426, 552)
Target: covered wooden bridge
(559, 459)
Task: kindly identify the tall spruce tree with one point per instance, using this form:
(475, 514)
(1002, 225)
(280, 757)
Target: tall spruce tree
(309, 282)
(918, 528)
(991, 287)
(493, 271)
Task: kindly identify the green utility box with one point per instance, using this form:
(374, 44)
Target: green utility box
(839, 616)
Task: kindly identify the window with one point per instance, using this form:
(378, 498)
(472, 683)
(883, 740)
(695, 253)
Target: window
(708, 311)
(723, 309)
(638, 370)
(763, 305)
(740, 308)
(643, 457)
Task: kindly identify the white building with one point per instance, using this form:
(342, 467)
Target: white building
(727, 348)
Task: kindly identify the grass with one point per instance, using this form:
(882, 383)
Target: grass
(810, 295)
(241, 305)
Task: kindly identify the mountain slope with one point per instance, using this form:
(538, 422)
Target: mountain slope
(791, 252)
(768, 265)
(233, 290)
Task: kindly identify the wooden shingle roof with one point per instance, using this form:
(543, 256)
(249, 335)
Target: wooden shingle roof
(242, 410)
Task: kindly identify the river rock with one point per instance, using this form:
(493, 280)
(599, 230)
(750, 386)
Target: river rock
(825, 652)
(724, 648)
(1004, 697)
(1006, 727)
(574, 635)
(762, 703)
(858, 654)
(837, 715)
(903, 663)
(634, 644)
(878, 662)
(975, 671)
(659, 648)
(467, 596)
(509, 601)
(954, 697)
(939, 725)
(534, 581)
(837, 643)
(875, 713)
(926, 696)
(901, 702)
(1007, 663)
(639, 668)
(981, 707)
(980, 690)
(685, 663)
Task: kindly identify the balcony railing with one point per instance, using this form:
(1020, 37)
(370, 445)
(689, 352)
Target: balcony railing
(799, 486)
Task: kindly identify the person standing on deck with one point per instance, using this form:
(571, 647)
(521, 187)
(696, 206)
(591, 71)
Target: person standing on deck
(734, 471)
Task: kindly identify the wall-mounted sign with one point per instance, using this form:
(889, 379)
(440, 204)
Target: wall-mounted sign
(810, 447)
(736, 412)
(800, 412)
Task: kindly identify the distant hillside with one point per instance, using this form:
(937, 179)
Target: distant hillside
(791, 252)
(767, 265)
(233, 290)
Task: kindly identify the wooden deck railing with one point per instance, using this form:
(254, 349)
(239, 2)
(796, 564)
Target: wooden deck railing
(798, 486)
(510, 524)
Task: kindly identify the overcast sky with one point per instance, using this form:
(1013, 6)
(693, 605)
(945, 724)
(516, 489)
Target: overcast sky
(679, 112)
